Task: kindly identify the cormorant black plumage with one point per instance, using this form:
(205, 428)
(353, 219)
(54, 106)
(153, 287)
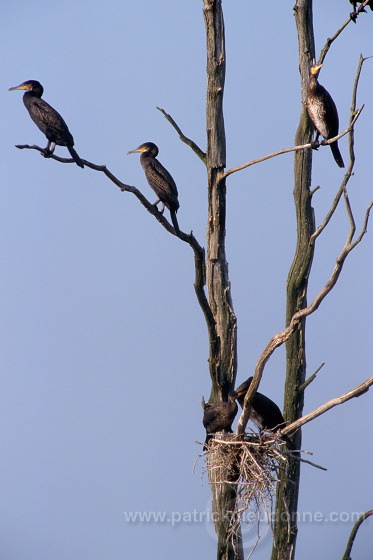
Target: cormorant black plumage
(47, 119)
(355, 13)
(265, 414)
(159, 179)
(218, 417)
(356, 2)
(323, 112)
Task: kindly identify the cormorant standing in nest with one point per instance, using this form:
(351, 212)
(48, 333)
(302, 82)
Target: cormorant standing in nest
(159, 179)
(218, 417)
(47, 119)
(264, 412)
(323, 112)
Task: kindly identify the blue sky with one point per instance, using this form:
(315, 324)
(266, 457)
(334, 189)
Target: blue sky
(104, 348)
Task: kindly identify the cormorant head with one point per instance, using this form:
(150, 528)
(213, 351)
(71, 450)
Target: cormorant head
(240, 393)
(32, 86)
(146, 148)
(243, 388)
(315, 69)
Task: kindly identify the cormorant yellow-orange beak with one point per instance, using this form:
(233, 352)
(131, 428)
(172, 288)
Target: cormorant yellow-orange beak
(315, 69)
(138, 150)
(21, 86)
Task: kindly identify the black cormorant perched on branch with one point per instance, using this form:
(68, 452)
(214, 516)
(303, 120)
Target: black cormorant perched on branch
(159, 179)
(323, 112)
(356, 2)
(47, 119)
(218, 417)
(265, 414)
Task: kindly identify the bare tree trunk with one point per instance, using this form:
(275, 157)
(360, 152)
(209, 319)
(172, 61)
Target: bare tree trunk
(223, 370)
(223, 364)
(285, 526)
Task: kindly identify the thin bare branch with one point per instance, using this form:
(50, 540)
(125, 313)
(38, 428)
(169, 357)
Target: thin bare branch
(183, 138)
(356, 392)
(151, 208)
(349, 171)
(356, 83)
(364, 228)
(356, 527)
(44, 154)
(331, 211)
(293, 148)
(331, 40)
(311, 378)
(199, 252)
(350, 218)
(281, 337)
(308, 462)
(199, 288)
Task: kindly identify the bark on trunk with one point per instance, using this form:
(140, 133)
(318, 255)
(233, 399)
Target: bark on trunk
(285, 526)
(223, 364)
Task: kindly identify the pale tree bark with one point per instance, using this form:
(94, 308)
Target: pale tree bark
(211, 271)
(223, 370)
(223, 364)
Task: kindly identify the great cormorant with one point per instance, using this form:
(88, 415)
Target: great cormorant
(47, 119)
(265, 414)
(159, 179)
(355, 3)
(323, 112)
(218, 417)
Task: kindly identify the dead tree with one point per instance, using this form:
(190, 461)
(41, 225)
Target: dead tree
(212, 284)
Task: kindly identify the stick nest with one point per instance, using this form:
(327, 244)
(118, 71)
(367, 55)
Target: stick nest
(250, 465)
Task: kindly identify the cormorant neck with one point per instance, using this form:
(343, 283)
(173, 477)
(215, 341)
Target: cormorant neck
(145, 155)
(29, 94)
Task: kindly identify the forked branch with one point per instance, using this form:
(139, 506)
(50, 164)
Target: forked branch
(199, 252)
(349, 171)
(356, 392)
(151, 208)
(281, 337)
(293, 148)
(331, 40)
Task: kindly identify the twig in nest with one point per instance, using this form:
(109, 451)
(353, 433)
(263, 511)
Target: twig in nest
(250, 464)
